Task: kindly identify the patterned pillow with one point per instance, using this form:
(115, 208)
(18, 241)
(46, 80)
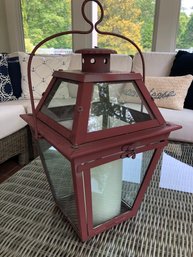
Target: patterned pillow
(6, 90)
(41, 71)
(15, 75)
(183, 65)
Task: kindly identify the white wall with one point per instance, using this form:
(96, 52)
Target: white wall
(165, 26)
(4, 40)
(14, 25)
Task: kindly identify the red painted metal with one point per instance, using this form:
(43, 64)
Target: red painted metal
(85, 81)
(86, 150)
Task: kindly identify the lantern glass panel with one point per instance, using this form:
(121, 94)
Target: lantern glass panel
(115, 105)
(59, 174)
(115, 186)
(59, 105)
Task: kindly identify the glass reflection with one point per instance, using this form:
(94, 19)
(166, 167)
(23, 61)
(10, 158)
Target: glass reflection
(59, 104)
(112, 106)
(58, 171)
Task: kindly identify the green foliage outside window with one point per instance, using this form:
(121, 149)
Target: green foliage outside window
(133, 19)
(42, 18)
(185, 31)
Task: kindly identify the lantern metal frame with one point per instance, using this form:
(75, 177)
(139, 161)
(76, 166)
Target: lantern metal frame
(79, 133)
(87, 150)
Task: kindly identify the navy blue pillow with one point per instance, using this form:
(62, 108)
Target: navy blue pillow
(6, 90)
(15, 75)
(183, 65)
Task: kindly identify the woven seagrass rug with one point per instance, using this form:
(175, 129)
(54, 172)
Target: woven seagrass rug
(32, 226)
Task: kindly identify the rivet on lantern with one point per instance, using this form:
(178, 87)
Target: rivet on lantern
(98, 151)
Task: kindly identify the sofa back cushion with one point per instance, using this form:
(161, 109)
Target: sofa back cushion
(41, 72)
(156, 63)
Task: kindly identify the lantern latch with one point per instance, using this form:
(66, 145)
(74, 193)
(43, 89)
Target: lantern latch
(128, 152)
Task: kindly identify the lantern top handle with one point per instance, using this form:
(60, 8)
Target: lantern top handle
(83, 32)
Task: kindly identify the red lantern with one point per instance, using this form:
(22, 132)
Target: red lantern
(98, 151)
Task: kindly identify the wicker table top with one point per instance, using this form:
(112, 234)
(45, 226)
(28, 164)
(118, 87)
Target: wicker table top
(31, 224)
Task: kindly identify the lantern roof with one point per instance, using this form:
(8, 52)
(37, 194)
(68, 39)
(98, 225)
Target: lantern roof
(99, 104)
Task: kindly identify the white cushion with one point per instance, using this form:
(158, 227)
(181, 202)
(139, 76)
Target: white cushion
(75, 62)
(181, 117)
(156, 63)
(41, 71)
(24, 102)
(121, 62)
(10, 119)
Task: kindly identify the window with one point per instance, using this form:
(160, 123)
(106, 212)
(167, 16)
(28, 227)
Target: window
(44, 18)
(133, 19)
(164, 24)
(185, 35)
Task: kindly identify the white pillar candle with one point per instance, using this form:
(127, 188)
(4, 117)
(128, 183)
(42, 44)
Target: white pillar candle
(106, 188)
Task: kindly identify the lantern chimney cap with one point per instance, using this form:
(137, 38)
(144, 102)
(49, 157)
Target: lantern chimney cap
(96, 59)
(96, 51)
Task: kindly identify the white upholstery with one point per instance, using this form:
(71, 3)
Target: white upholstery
(156, 63)
(10, 119)
(75, 62)
(159, 64)
(121, 62)
(23, 102)
(181, 117)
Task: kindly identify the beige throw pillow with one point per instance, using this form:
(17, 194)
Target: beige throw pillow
(167, 92)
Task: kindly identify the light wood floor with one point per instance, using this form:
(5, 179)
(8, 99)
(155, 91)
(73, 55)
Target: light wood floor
(8, 168)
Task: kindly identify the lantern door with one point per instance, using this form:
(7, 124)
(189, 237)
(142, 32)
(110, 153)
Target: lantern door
(104, 189)
(57, 107)
(115, 186)
(59, 174)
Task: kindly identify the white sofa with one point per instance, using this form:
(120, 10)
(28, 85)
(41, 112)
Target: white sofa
(157, 64)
